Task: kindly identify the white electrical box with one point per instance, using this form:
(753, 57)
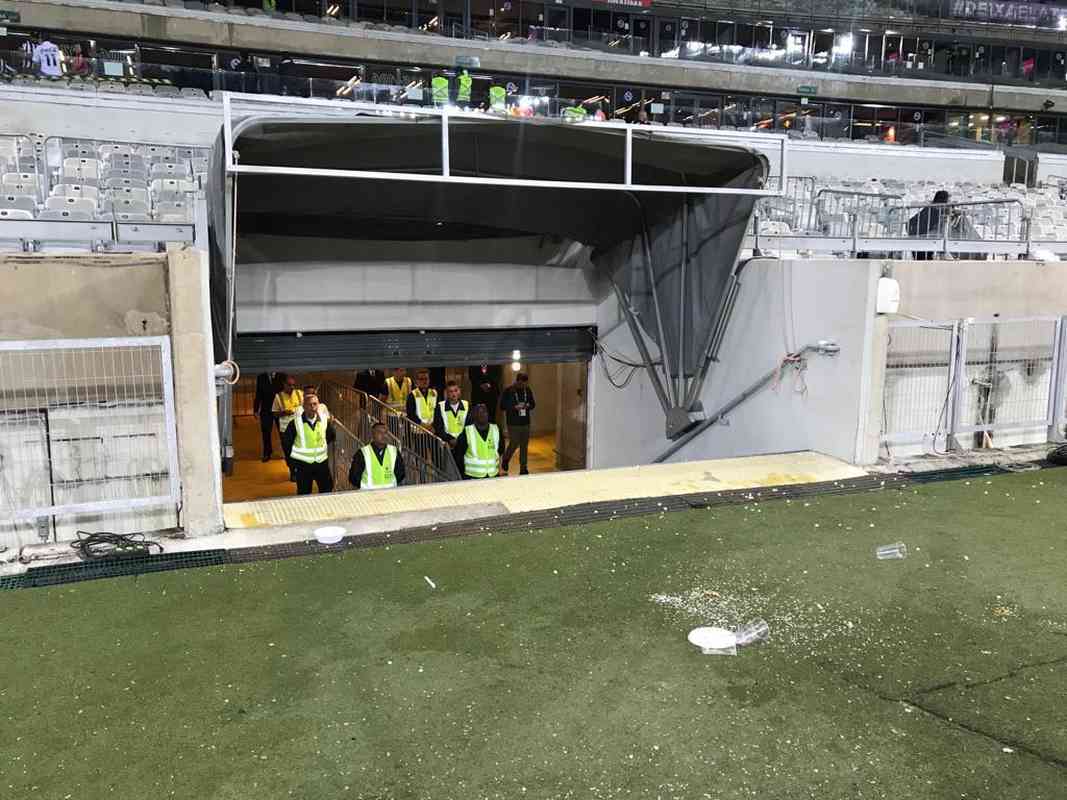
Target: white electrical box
(888, 296)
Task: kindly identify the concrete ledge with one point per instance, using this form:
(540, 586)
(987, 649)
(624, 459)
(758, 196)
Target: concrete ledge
(226, 30)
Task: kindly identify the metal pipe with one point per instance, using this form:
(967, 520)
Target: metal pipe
(823, 348)
(664, 351)
(681, 297)
(717, 331)
(639, 340)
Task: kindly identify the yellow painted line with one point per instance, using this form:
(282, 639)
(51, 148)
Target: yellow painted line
(552, 490)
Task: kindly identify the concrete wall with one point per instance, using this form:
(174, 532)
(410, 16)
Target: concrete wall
(91, 296)
(782, 306)
(343, 286)
(81, 296)
(946, 290)
(241, 33)
(837, 160)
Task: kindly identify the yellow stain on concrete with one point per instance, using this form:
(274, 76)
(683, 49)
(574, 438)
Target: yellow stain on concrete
(540, 492)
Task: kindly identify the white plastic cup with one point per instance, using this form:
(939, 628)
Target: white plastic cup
(897, 550)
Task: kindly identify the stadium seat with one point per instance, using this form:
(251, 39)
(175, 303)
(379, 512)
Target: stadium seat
(172, 186)
(15, 178)
(125, 183)
(124, 216)
(63, 215)
(173, 212)
(126, 205)
(169, 170)
(138, 173)
(127, 193)
(156, 153)
(76, 190)
(110, 150)
(18, 202)
(71, 204)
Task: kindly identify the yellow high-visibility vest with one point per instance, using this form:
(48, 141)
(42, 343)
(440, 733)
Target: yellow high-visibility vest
(398, 392)
(379, 475)
(480, 460)
(454, 423)
(309, 445)
(424, 404)
(291, 405)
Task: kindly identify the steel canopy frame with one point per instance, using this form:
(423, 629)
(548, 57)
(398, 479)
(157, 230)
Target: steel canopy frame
(677, 394)
(232, 130)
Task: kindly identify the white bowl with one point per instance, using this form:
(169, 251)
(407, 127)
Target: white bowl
(331, 534)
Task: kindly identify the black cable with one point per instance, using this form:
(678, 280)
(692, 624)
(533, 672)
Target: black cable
(104, 544)
(1058, 455)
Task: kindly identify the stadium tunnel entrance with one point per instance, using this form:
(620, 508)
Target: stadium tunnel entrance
(338, 269)
(350, 373)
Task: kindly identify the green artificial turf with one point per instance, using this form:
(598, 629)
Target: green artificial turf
(544, 666)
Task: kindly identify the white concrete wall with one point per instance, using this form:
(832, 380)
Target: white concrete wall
(837, 160)
(351, 286)
(1051, 164)
(782, 306)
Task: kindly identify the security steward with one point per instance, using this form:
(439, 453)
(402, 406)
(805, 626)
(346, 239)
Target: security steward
(451, 416)
(286, 406)
(308, 439)
(397, 388)
(478, 449)
(423, 400)
(377, 465)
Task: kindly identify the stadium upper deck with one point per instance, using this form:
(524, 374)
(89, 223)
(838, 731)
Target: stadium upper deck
(845, 79)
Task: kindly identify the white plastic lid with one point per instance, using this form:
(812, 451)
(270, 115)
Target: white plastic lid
(713, 638)
(331, 534)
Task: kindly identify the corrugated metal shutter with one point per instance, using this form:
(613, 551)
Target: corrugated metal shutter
(317, 352)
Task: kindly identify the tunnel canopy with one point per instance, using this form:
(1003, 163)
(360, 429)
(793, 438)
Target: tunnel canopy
(662, 213)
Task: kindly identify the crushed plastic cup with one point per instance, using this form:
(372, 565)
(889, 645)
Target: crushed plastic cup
(752, 632)
(890, 551)
(331, 534)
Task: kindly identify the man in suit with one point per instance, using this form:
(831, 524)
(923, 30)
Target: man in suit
(268, 384)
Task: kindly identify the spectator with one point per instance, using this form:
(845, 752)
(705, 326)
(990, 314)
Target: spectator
(451, 416)
(422, 401)
(48, 60)
(485, 387)
(377, 465)
(642, 118)
(930, 222)
(79, 64)
(372, 382)
(478, 449)
(308, 439)
(287, 404)
(517, 404)
(268, 384)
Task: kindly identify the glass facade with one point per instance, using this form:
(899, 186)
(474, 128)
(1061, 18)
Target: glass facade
(632, 29)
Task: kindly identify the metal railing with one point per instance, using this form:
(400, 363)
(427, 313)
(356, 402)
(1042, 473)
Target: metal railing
(857, 222)
(427, 459)
(834, 211)
(993, 379)
(791, 211)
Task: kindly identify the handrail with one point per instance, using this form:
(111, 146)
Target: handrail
(427, 459)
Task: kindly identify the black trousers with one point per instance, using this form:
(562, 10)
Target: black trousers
(267, 423)
(307, 474)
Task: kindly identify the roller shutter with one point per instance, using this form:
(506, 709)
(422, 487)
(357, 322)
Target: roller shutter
(318, 352)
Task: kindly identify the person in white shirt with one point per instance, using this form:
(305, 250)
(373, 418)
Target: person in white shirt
(48, 60)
